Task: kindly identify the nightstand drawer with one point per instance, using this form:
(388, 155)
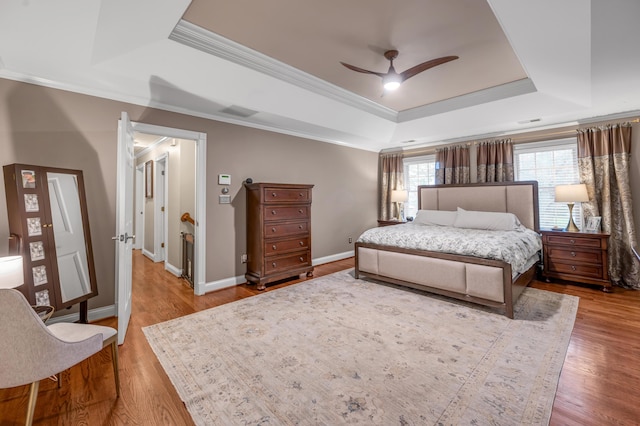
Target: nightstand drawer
(567, 240)
(591, 271)
(584, 256)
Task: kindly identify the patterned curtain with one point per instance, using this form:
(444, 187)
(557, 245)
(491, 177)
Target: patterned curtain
(391, 178)
(603, 160)
(495, 161)
(452, 165)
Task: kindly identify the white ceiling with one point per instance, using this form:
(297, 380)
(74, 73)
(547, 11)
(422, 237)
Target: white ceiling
(275, 65)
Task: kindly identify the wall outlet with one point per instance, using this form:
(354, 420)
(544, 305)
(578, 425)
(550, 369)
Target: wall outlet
(350, 240)
(243, 258)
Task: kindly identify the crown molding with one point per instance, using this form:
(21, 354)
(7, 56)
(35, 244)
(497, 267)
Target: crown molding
(502, 91)
(206, 41)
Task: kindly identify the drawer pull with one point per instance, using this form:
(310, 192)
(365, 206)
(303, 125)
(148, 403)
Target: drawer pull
(299, 226)
(273, 212)
(273, 229)
(273, 246)
(300, 211)
(301, 259)
(301, 195)
(573, 253)
(273, 194)
(572, 241)
(273, 264)
(301, 243)
(573, 268)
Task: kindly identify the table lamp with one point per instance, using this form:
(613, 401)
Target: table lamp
(399, 196)
(571, 194)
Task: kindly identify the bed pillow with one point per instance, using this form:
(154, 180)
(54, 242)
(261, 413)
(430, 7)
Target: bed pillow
(494, 221)
(436, 217)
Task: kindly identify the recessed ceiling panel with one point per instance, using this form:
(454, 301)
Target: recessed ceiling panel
(315, 37)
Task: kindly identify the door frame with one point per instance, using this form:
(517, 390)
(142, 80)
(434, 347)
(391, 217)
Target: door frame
(139, 208)
(200, 226)
(160, 223)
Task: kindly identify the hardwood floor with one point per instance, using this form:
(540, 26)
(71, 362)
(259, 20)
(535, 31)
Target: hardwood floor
(599, 384)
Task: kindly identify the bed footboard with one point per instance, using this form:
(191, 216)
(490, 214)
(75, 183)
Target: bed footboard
(483, 281)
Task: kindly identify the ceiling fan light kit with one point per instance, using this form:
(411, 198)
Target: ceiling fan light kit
(391, 80)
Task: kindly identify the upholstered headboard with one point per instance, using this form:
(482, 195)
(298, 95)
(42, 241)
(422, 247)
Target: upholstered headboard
(519, 198)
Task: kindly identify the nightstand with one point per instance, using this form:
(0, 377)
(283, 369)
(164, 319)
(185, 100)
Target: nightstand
(382, 222)
(576, 256)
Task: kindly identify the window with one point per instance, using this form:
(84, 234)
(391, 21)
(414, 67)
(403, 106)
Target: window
(551, 163)
(417, 171)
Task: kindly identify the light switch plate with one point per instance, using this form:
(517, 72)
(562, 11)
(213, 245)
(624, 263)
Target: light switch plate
(224, 199)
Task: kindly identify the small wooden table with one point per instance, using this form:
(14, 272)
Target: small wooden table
(576, 256)
(389, 222)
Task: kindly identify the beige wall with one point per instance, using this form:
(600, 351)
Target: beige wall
(56, 128)
(182, 196)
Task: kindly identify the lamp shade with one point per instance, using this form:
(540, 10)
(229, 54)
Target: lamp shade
(11, 274)
(571, 193)
(399, 196)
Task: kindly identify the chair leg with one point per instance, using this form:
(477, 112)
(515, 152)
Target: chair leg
(33, 395)
(116, 370)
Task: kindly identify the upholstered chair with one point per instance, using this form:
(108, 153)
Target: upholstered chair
(31, 351)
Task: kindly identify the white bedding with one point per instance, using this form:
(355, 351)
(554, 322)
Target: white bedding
(515, 247)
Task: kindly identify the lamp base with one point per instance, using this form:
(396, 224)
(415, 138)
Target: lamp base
(571, 226)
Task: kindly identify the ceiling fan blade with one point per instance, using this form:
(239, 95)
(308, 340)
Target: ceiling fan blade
(425, 66)
(362, 70)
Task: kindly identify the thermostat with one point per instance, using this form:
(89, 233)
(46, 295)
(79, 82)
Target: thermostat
(224, 179)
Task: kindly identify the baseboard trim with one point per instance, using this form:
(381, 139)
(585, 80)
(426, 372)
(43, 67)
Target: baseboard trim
(234, 281)
(333, 258)
(224, 283)
(148, 254)
(175, 271)
(93, 314)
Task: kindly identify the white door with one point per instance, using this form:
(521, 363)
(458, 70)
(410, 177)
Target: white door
(124, 224)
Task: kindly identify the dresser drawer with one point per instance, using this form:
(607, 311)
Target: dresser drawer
(278, 195)
(272, 248)
(285, 213)
(567, 240)
(563, 253)
(284, 229)
(294, 260)
(591, 271)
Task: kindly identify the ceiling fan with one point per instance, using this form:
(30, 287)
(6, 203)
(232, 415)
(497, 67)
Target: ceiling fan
(391, 80)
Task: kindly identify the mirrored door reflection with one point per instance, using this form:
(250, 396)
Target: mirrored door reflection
(69, 235)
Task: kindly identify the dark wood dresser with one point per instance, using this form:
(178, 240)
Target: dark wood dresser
(576, 256)
(278, 232)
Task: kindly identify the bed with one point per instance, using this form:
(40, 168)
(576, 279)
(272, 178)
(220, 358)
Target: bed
(475, 278)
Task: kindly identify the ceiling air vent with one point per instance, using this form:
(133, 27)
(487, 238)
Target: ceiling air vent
(239, 111)
(533, 120)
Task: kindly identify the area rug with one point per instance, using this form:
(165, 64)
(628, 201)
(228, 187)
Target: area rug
(336, 350)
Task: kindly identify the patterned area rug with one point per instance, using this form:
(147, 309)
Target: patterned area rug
(336, 350)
